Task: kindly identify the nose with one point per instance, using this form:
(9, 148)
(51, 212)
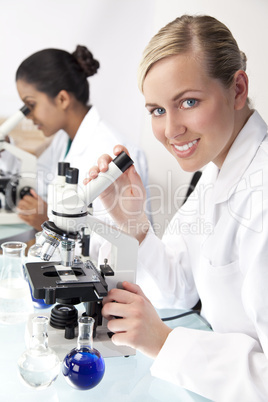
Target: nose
(174, 125)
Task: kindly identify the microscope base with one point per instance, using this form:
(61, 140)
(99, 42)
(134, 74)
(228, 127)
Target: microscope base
(62, 346)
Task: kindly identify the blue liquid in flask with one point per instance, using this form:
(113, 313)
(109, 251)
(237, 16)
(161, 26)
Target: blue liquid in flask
(83, 368)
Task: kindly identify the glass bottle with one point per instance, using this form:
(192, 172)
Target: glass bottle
(83, 368)
(15, 296)
(39, 365)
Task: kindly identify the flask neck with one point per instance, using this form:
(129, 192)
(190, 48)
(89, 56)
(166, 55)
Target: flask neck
(85, 332)
(14, 249)
(39, 335)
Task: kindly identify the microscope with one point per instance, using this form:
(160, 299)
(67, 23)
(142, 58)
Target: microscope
(76, 280)
(14, 186)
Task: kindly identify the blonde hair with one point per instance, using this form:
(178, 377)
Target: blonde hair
(203, 34)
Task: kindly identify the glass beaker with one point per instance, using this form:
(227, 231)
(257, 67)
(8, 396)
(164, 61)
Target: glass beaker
(15, 296)
(39, 365)
(83, 368)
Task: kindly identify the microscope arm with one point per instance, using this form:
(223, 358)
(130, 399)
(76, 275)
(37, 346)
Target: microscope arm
(123, 254)
(28, 161)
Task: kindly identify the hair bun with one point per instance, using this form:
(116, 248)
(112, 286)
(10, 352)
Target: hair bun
(86, 60)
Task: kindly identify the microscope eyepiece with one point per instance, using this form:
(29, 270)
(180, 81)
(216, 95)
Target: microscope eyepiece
(62, 168)
(25, 110)
(123, 161)
(72, 175)
(115, 168)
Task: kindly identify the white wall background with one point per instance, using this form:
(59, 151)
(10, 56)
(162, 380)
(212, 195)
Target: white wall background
(116, 31)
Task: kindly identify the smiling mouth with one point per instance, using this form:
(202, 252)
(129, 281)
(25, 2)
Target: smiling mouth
(185, 147)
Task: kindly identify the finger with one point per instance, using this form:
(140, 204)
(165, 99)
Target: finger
(28, 198)
(108, 312)
(34, 193)
(104, 161)
(119, 325)
(117, 310)
(25, 212)
(26, 207)
(133, 288)
(22, 204)
(28, 202)
(120, 296)
(120, 148)
(92, 174)
(135, 179)
(122, 339)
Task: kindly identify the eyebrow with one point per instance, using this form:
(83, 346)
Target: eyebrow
(27, 97)
(175, 98)
(151, 105)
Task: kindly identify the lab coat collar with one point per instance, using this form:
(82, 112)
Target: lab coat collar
(85, 131)
(239, 157)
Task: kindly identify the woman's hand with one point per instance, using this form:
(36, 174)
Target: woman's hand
(32, 209)
(139, 325)
(125, 199)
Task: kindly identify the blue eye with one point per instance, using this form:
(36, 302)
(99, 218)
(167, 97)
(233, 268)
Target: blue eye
(188, 103)
(159, 111)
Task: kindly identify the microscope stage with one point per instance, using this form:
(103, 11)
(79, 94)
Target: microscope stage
(51, 281)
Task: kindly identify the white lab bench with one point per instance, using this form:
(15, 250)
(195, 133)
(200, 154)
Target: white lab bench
(126, 379)
(19, 232)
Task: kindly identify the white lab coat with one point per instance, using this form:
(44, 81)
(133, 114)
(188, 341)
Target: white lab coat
(92, 139)
(216, 248)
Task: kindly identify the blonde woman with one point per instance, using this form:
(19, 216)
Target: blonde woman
(195, 86)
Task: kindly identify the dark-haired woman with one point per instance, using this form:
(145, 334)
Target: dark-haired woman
(54, 85)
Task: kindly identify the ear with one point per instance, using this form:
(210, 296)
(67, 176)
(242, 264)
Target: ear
(63, 99)
(241, 89)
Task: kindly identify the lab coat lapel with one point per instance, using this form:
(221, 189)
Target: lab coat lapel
(85, 132)
(239, 157)
(229, 179)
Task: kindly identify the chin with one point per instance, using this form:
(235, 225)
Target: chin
(189, 166)
(47, 135)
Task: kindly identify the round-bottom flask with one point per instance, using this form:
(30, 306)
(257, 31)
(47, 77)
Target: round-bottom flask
(39, 365)
(83, 368)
